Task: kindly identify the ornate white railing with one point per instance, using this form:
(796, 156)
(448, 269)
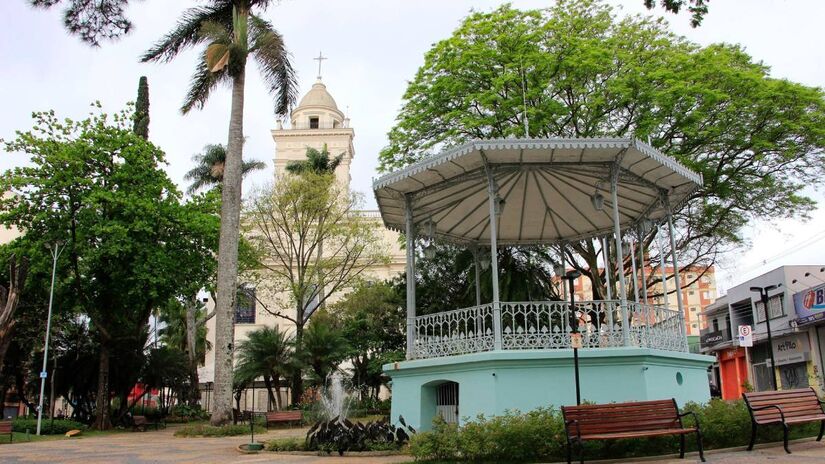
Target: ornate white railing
(461, 331)
(547, 325)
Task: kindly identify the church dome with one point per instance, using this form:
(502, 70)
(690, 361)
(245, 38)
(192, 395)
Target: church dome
(317, 110)
(318, 97)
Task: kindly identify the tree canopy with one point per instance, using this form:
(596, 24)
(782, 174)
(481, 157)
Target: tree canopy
(579, 70)
(130, 243)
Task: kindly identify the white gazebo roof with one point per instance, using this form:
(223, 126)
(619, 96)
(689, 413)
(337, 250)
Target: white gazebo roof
(547, 186)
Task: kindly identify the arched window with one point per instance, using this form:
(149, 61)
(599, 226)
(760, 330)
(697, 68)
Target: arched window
(245, 307)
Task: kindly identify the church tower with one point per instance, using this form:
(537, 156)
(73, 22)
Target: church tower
(314, 122)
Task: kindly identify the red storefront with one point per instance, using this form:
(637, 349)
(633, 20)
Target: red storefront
(733, 370)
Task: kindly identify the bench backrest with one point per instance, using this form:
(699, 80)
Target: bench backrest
(283, 415)
(5, 426)
(140, 420)
(794, 403)
(622, 417)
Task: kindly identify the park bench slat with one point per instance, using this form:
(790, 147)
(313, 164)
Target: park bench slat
(6, 427)
(283, 416)
(625, 420)
(784, 407)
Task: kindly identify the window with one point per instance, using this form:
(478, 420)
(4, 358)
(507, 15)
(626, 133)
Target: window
(691, 292)
(245, 305)
(774, 307)
(313, 122)
(694, 326)
(693, 309)
(716, 325)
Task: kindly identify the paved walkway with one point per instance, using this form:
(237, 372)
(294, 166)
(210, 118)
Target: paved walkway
(162, 447)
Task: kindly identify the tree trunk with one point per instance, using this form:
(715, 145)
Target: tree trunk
(102, 421)
(228, 255)
(276, 383)
(268, 383)
(297, 388)
(9, 298)
(193, 395)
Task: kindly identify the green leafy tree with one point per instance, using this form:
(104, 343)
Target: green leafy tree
(697, 8)
(581, 71)
(210, 166)
(286, 224)
(267, 353)
(373, 321)
(130, 243)
(323, 348)
(232, 33)
(141, 126)
(319, 162)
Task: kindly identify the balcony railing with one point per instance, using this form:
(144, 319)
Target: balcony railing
(546, 325)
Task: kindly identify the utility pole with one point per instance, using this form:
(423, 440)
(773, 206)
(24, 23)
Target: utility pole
(763, 294)
(571, 277)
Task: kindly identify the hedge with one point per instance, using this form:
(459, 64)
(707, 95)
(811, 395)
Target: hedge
(539, 436)
(47, 426)
(204, 430)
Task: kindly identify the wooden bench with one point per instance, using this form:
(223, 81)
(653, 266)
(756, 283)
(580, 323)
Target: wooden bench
(627, 420)
(5, 427)
(289, 417)
(141, 422)
(784, 408)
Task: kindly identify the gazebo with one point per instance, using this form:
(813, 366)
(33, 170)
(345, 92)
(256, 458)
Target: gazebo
(498, 356)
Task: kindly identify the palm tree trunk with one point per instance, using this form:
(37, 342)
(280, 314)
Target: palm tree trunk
(228, 256)
(191, 348)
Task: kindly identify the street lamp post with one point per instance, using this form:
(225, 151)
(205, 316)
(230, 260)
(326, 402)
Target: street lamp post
(55, 251)
(763, 294)
(571, 277)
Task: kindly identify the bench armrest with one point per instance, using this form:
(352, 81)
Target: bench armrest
(762, 408)
(578, 429)
(689, 413)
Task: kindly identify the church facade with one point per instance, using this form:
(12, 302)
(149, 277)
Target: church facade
(316, 122)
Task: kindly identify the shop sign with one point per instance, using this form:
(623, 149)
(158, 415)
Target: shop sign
(712, 338)
(810, 302)
(731, 354)
(790, 350)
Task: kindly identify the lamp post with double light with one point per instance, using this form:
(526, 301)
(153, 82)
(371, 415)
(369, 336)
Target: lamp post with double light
(763, 295)
(55, 250)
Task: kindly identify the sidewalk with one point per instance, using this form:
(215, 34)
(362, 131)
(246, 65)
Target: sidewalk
(162, 447)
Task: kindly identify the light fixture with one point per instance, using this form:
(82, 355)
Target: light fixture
(646, 225)
(483, 260)
(498, 205)
(429, 251)
(429, 228)
(597, 198)
(559, 269)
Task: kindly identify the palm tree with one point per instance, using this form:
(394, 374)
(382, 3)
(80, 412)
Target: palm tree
(173, 333)
(322, 349)
(210, 165)
(319, 162)
(233, 33)
(266, 353)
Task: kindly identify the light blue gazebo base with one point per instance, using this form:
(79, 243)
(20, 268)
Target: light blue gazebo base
(493, 382)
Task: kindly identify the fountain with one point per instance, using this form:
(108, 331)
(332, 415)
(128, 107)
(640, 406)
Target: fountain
(334, 402)
(334, 432)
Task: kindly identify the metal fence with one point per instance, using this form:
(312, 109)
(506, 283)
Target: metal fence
(547, 325)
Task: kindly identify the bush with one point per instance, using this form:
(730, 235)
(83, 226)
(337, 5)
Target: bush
(539, 436)
(205, 430)
(47, 426)
(286, 444)
(183, 413)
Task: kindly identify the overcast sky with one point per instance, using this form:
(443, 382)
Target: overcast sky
(374, 48)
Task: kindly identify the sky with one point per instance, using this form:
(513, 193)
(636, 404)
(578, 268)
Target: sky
(374, 48)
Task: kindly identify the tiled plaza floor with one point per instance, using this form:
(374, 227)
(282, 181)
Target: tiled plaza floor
(162, 447)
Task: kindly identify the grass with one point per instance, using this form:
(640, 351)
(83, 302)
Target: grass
(22, 437)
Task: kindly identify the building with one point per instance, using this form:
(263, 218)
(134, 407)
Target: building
(796, 314)
(316, 122)
(698, 291)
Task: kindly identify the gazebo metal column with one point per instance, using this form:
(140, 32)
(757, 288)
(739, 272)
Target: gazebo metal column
(410, 229)
(676, 278)
(642, 264)
(614, 197)
(606, 257)
(491, 193)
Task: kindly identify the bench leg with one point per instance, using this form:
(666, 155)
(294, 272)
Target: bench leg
(682, 446)
(785, 437)
(569, 452)
(699, 445)
(821, 430)
(753, 436)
